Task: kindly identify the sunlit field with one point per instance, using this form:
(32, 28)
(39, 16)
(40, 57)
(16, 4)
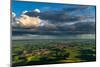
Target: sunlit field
(52, 51)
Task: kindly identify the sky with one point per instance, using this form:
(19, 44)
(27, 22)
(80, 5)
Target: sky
(57, 18)
(19, 6)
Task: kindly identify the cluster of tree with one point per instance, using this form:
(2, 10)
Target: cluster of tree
(51, 51)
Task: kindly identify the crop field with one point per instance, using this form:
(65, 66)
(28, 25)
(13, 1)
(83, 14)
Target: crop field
(52, 51)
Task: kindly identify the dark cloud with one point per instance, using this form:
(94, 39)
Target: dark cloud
(77, 28)
(59, 22)
(32, 14)
(75, 8)
(85, 26)
(60, 15)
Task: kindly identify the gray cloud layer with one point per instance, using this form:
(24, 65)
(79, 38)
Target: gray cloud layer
(58, 22)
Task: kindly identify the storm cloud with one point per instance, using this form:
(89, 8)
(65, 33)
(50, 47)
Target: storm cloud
(68, 20)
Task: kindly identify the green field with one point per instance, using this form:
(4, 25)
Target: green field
(52, 51)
